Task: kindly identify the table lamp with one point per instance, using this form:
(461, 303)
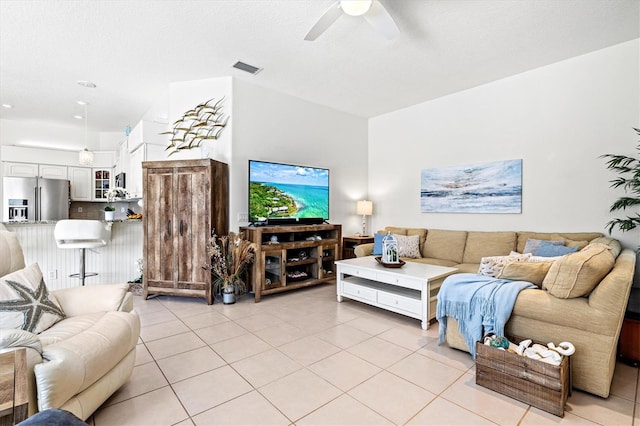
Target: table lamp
(365, 208)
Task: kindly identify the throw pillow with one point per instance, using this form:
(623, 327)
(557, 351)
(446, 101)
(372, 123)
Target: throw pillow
(25, 302)
(532, 245)
(576, 274)
(492, 266)
(408, 246)
(579, 244)
(533, 272)
(377, 244)
(613, 244)
(546, 249)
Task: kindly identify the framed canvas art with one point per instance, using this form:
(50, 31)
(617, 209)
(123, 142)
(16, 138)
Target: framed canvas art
(494, 187)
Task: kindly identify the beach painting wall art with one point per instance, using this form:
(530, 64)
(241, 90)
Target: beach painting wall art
(494, 187)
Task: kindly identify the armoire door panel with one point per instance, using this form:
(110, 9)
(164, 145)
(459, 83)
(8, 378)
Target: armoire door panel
(159, 223)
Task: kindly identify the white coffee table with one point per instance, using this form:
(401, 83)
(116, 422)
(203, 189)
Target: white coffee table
(403, 290)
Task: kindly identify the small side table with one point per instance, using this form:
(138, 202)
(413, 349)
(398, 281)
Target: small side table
(14, 400)
(349, 244)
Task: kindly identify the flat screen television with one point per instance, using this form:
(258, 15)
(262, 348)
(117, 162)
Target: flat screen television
(278, 191)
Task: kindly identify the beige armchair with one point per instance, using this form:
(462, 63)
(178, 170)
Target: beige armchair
(80, 361)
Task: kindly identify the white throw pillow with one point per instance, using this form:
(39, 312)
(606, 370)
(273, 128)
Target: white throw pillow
(25, 302)
(408, 246)
(492, 266)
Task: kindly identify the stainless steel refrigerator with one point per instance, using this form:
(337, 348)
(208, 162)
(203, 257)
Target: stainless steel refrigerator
(34, 199)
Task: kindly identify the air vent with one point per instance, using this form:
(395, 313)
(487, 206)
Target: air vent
(246, 67)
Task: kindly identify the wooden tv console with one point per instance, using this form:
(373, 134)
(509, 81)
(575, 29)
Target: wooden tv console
(290, 257)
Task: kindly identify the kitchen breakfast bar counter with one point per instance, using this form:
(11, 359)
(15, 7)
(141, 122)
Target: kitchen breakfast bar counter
(115, 263)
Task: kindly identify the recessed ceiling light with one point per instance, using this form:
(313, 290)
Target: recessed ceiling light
(78, 117)
(7, 106)
(87, 84)
(82, 103)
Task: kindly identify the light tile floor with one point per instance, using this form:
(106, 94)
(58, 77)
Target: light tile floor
(303, 358)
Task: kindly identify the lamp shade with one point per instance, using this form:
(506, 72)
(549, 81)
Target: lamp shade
(364, 207)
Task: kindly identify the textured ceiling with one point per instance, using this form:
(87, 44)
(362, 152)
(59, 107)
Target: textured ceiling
(133, 49)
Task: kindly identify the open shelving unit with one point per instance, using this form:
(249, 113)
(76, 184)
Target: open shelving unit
(291, 257)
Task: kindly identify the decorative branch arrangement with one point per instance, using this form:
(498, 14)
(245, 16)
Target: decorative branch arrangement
(204, 122)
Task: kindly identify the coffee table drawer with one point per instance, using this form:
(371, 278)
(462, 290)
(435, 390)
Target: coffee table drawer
(359, 291)
(356, 272)
(399, 281)
(404, 303)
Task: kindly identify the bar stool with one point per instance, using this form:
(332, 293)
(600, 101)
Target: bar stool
(82, 234)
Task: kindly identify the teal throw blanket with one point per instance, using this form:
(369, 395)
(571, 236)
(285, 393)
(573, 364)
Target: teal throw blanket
(479, 303)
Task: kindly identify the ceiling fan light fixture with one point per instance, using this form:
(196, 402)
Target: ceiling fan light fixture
(355, 7)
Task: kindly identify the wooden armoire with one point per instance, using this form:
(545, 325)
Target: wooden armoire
(183, 201)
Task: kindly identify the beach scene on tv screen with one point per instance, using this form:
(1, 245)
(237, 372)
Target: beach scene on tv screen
(282, 190)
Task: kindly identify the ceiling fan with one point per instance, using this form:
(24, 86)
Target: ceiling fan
(371, 10)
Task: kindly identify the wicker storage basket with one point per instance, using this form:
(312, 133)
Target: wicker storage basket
(533, 382)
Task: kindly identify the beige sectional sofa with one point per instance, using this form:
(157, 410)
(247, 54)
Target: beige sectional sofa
(80, 361)
(592, 322)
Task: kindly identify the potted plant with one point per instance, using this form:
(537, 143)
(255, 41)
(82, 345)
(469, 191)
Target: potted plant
(629, 170)
(230, 255)
(112, 195)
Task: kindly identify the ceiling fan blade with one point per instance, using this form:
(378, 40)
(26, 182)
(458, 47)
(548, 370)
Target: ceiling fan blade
(381, 21)
(325, 21)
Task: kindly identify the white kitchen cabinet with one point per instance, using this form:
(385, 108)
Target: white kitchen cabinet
(20, 169)
(145, 152)
(122, 158)
(48, 171)
(90, 184)
(102, 182)
(51, 171)
(80, 178)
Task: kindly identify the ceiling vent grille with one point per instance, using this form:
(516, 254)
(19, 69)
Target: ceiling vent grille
(246, 67)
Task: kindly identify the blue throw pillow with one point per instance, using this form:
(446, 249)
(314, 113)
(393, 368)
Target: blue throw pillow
(548, 249)
(377, 244)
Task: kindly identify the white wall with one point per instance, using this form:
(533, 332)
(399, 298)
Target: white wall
(186, 95)
(559, 119)
(272, 126)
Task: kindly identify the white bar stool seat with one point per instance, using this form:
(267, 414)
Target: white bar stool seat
(82, 234)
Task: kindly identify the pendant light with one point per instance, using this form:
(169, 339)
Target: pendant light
(85, 157)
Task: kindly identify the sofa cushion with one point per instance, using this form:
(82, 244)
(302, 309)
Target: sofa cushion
(550, 249)
(492, 265)
(408, 246)
(613, 244)
(25, 302)
(395, 230)
(69, 328)
(482, 244)
(533, 272)
(532, 245)
(445, 244)
(576, 274)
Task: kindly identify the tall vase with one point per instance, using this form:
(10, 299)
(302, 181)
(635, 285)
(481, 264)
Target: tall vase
(229, 295)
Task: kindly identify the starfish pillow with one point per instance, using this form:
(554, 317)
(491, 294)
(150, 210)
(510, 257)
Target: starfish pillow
(25, 302)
